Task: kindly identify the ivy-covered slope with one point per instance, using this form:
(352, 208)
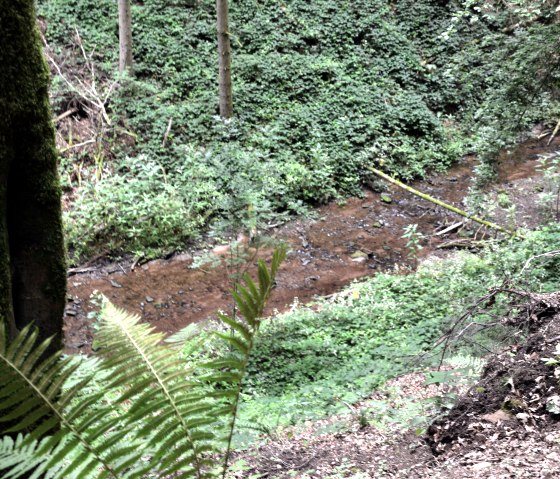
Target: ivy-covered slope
(321, 89)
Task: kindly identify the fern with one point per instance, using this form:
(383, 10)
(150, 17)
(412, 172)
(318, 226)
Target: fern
(250, 300)
(19, 456)
(148, 415)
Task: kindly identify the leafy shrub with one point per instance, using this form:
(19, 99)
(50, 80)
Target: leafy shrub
(315, 86)
(321, 360)
(321, 90)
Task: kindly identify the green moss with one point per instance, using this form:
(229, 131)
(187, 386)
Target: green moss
(32, 268)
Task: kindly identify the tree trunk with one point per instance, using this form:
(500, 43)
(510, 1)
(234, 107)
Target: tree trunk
(32, 256)
(125, 37)
(224, 52)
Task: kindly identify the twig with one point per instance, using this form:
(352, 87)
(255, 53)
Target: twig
(450, 228)
(550, 254)
(77, 145)
(65, 114)
(462, 243)
(87, 92)
(553, 133)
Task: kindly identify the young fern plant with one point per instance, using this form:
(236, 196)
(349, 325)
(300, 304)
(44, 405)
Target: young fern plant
(148, 417)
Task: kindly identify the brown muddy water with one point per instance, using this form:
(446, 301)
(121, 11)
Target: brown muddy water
(344, 242)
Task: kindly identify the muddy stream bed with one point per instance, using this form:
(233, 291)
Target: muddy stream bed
(343, 242)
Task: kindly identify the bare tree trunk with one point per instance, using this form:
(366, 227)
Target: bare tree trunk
(224, 52)
(125, 37)
(32, 256)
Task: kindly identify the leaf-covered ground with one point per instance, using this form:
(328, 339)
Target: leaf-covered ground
(506, 425)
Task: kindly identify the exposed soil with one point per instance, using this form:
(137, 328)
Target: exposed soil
(344, 242)
(518, 393)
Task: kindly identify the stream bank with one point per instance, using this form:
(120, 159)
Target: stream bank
(344, 242)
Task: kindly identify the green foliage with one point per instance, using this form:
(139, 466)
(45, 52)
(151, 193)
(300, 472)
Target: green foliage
(314, 362)
(321, 89)
(147, 415)
(413, 238)
(549, 198)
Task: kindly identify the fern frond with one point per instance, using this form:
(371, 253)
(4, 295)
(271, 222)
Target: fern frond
(152, 376)
(250, 300)
(44, 407)
(18, 457)
(162, 412)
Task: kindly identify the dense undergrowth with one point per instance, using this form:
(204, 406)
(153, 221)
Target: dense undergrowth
(321, 89)
(309, 364)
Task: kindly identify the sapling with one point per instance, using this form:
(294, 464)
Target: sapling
(413, 237)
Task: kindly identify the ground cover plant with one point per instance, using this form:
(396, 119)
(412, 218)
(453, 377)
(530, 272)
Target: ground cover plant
(309, 363)
(321, 89)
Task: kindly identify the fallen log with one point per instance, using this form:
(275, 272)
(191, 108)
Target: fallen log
(447, 206)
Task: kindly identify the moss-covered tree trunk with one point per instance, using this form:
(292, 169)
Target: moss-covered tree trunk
(32, 259)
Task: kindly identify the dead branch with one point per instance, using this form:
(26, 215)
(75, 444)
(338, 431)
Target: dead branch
(78, 145)
(88, 92)
(463, 243)
(451, 228)
(553, 133)
(550, 254)
(447, 206)
(168, 129)
(65, 114)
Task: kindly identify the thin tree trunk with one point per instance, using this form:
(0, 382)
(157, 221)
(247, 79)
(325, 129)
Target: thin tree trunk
(224, 52)
(32, 256)
(125, 37)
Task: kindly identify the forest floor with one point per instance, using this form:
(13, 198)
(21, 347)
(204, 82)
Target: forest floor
(504, 426)
(340, 243)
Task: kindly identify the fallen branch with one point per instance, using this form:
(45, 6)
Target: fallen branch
(462, 243)
(65, 114)
(553, 134)
(451, 228)
(167, 131)
(549, 254)
(439, 202)
(77, 145)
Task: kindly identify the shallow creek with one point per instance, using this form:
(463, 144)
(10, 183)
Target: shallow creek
(342, 243)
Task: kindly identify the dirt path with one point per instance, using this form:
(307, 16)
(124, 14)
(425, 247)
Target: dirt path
(344, 242)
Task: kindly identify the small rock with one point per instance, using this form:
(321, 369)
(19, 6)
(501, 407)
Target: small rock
(523, 417)
(358, 254)
(481, 465)
(182, 257)
(114, 284)
(377, 224)
(361, 259)
(305, 262)
(71, 312)
(496, 417)
(385, 198)
(149, 299)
